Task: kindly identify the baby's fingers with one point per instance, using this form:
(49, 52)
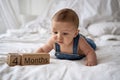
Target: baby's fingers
(90, 64)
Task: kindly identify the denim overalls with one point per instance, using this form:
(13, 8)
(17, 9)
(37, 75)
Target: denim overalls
(75, 55)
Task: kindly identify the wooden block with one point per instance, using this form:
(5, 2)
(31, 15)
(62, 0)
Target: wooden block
(14, 59)
(35, 59)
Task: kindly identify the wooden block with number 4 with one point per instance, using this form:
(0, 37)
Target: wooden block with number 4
(14, 59)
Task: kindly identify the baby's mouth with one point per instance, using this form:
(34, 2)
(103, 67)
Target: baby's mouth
(60, 42)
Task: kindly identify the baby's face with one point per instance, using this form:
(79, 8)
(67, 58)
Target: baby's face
(63, 32)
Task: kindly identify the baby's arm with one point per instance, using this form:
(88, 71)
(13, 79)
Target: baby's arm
(89, 52)
(46, 48)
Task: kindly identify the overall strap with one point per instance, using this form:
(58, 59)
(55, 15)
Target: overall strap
(75, 44)
(57, 47)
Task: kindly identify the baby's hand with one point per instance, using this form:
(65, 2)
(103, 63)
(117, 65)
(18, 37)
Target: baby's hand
(91, 63)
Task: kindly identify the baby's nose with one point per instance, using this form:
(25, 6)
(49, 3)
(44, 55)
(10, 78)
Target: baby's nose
(59, 37)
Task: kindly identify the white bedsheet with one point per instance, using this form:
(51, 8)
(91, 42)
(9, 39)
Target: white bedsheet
(108, 67)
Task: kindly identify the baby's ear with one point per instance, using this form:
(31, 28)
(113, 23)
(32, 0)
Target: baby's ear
(76, 33)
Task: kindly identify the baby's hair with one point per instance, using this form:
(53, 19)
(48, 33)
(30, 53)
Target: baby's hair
(67, 15)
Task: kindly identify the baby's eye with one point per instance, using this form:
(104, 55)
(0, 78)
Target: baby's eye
(65, 33)
(55, 32)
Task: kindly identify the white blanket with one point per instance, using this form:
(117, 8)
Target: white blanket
(108, 54)
(108, 67)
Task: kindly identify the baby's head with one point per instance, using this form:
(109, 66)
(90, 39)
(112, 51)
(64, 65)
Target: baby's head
(65, 26)
(67, 15)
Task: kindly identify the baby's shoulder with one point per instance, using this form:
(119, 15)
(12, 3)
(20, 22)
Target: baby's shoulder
(82, 40)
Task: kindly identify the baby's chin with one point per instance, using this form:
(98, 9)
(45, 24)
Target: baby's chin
(62, 43)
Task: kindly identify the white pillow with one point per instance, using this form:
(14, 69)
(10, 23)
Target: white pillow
(98, 11)
(103, 28)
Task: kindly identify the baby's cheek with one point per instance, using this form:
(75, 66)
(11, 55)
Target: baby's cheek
(68, 40)
(54, 37)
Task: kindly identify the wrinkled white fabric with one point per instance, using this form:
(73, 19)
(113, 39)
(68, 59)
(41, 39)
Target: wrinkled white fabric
(108, 67)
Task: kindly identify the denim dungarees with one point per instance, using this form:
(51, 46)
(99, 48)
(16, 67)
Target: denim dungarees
(74, 55)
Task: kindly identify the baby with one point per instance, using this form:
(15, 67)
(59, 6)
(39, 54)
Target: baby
(66, 40)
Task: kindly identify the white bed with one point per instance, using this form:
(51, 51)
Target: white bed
(108, 67)
(35, 34)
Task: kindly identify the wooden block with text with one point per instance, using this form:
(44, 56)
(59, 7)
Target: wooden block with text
(35, 59)
(14, 59)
